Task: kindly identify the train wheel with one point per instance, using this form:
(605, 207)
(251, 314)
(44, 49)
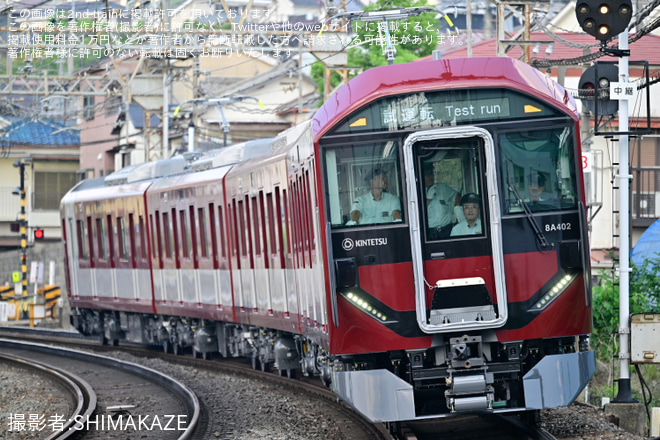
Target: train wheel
(166, 346)
(289, 372)
(205, 355)
(255, 362)
(176, 348)
(264, 366)
(194, 352)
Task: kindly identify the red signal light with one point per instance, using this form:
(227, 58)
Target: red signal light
(38, 234)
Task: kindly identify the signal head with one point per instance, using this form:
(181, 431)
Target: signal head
(604, 19)
(601, 75)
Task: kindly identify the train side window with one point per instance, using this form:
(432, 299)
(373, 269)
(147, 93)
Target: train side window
(222, 242)
(167, 254)
(264, 233)
(192, 235)
(310, 211)
(248, 227)
(143, 237)
(174, 238)
(131, 238)
(296, 224)
(302, 214)
(111, 240)
(364, 184)
(83, 252)
(90, 239)
(256, 224)
(286, 230)
(100, 235)
(233, 231)
(214, 235)
(156, 238)
(279, 223)
(203, 233)
(306, 215)
(538, 170)
(121, 237)
(241, 227)
(186, 245)
(272, 224)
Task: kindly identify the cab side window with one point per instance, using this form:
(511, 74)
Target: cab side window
(364, 184)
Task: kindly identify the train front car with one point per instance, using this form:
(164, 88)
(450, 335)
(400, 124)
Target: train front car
(457, 243)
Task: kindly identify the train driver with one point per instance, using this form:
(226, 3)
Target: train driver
(471, 204)
(378, 205)
(536, 200)
(536, 183)
(440, 202)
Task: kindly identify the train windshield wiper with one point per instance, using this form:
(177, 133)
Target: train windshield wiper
(530, 217)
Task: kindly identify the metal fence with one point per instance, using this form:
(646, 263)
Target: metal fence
(645, 191)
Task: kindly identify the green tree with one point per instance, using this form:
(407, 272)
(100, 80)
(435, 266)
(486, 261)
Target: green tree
(644, 297)
(413, 38)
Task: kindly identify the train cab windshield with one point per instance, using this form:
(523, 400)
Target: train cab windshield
(538, 170)
(452, 191)
(364, 184)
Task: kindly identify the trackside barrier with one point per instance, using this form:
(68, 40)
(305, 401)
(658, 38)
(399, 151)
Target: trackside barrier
(43, 305)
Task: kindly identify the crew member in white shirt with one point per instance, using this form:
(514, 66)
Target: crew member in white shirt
(471, 204)
(441, 199)
(376, 206)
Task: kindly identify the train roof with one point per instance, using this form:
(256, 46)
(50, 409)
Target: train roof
(187, 163)
(135, 179)
(460, 73)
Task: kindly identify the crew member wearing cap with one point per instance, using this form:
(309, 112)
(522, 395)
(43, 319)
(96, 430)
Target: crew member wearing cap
(376, 206)
(471, 209)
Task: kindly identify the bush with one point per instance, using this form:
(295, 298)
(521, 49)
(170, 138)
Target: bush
(644, 297)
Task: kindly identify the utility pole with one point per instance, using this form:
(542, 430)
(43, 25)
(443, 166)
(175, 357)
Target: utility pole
(192, 141)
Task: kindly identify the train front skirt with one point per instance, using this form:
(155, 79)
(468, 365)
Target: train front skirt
(380, 396)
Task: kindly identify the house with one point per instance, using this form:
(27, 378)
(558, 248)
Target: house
(49, 151)
(259, 106)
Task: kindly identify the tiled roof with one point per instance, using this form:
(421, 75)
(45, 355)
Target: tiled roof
(566, 46)
(42, 133)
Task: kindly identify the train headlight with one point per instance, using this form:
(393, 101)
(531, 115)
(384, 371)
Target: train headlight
(554, 292)
(366, 307)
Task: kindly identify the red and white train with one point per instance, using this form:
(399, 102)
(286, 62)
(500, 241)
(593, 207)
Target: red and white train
(466, 288)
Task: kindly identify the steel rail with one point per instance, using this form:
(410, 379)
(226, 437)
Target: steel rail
(185, 394)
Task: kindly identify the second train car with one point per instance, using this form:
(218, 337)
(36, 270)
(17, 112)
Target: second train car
(420, 244)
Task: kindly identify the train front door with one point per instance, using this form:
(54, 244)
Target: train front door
(456, 237)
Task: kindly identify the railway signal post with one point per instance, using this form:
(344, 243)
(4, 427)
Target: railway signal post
(20, 164)
(604, 20)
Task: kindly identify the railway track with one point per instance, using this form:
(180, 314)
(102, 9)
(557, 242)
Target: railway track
(353, 427)
(81, 395)
(111, 397)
